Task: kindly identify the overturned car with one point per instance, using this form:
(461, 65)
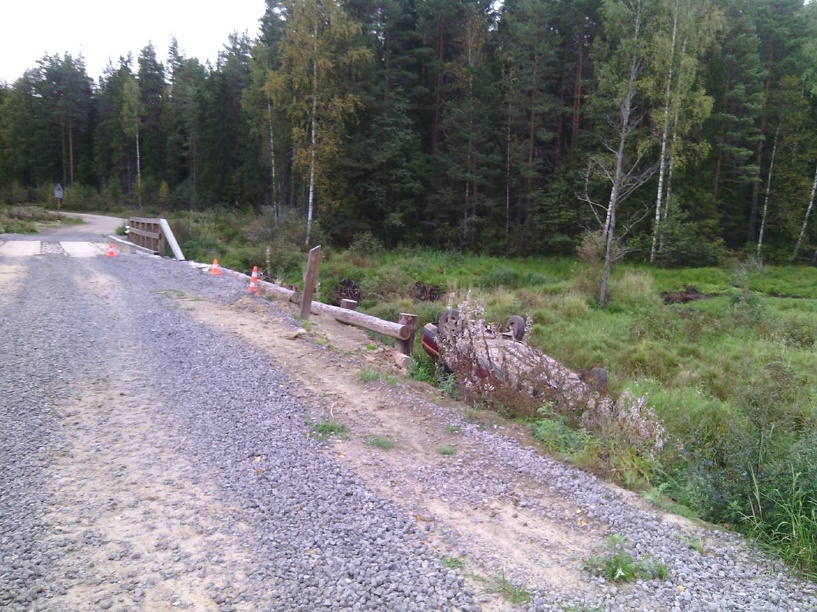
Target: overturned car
(460, 345)
(485, 359)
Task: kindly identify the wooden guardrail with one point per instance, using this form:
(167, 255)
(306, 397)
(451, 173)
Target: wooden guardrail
(154, 235)
(403, 331)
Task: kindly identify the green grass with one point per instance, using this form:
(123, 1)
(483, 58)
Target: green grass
(370, 374)
(512, 592)
(446, 450)
(452, 562)
(327, 429)
(381, 442)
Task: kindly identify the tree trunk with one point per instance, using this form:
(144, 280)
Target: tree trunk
(662, 161)
(312, 147)
(62, 139)
(71, 150)
(577, 91)
(138, 165)
(719, 163)
(805, 221)
(438, 100)
(275, 205)
(508, 171)
(759, 156)
(768, 193)
(626, 109)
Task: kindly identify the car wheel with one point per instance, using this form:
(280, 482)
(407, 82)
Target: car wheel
(516, 327)
(447, 323)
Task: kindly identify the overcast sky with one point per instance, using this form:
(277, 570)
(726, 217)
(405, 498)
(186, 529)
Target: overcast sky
(103, 30)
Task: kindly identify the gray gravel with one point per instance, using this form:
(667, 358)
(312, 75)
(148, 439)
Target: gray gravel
(81, 341)
(198, 442)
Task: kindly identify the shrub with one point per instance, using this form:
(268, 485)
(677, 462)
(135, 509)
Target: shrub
(555, 435)
(620, 566)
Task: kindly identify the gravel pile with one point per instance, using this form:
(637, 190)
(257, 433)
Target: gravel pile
(214, 430)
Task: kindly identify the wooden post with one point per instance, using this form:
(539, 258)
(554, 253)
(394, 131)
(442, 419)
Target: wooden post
(348, 304)
(406, 346)
(309, 281)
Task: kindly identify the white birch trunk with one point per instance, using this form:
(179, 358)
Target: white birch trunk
(768, 192)
(508, 171)
(275, 207)
(138, 164)
(313, 144)
(662, 163)
(626, 109)
(805, 221)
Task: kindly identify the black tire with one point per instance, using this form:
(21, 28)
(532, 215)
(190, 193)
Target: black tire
(447, 323)
(516, 327)
(598, 377)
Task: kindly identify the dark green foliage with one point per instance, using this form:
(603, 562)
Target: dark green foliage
(470, 128)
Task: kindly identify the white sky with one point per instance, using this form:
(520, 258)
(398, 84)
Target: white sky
(105, 29)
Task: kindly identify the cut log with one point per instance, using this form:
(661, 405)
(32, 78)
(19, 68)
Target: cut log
(405, 346)
(344, 315)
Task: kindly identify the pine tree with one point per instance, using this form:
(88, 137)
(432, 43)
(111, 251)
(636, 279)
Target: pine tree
(151, 79)
(65, 89)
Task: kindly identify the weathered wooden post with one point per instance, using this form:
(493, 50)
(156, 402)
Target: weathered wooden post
(406, 346)
(309, 281)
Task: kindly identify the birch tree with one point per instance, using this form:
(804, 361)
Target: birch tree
(320, 58)
(132, 111)
(764, 216)
(682, 105)
(622, 166)
(809, 208)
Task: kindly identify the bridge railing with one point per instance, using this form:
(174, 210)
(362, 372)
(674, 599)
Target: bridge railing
(154, 235)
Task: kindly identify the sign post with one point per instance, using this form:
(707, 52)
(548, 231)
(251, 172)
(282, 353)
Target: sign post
(58, 195)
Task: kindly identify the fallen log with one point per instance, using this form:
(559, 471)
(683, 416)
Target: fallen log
(344, 315)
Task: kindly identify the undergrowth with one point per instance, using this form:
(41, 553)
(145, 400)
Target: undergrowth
(24, 219)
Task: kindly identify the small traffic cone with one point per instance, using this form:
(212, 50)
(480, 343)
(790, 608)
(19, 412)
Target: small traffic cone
(214, 269)
(111, 250)
(253, 288)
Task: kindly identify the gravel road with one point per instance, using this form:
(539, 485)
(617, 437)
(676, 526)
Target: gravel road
(151, 462)
(147, 462)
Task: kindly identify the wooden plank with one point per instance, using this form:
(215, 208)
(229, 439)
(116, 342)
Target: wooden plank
(348, 304)
(144, 233)
(309, 282)
(409, 320)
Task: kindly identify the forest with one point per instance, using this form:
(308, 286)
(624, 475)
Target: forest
(681, 130)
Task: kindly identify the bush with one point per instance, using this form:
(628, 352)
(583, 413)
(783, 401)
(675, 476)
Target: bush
(689, 244)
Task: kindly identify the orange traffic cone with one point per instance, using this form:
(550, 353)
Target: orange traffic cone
(253, 288)
(111, 250)
(214, 269)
